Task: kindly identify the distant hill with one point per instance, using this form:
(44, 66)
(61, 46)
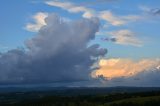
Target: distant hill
(79, 90)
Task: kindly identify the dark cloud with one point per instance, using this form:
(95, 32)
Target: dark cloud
(155, 11)
(109, 39)
(148, 78)
(58, 53)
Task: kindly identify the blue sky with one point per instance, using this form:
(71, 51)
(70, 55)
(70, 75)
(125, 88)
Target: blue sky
(16, 14)
(129, 30)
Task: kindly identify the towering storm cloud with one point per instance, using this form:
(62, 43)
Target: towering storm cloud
(58, 53)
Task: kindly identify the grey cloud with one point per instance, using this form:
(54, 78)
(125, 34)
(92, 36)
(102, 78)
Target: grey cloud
(155, 11)
(109, 39)
(58, 53)
(150, 10)
(148, 78)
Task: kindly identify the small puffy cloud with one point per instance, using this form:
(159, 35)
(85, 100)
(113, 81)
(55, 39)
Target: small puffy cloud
(114, 68)
(126, 37)
(39, 21)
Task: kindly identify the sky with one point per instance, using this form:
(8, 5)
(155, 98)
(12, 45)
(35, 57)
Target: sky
(80, 43)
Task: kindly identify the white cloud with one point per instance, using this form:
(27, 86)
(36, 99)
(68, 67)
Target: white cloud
(70, 7)
(109, 17)
(117, 20)
(39, 21)
(126, 37)
(106, 15)
(119, 67)
(158, 67)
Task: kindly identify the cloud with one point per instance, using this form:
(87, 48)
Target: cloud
(152, 11)
(58, 53)
(39, 21)
(114, 68)
(155, 11)
(117, 20)
(127, 72)
(106, 15)
(125, 37)
(109, 17)
(70, 7)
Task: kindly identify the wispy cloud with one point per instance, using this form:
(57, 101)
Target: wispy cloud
(126, 37)
(122, 37)
(112, 19)
(105, 15)
(70, 7)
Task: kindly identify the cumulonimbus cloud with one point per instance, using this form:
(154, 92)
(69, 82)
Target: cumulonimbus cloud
(58, 53)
